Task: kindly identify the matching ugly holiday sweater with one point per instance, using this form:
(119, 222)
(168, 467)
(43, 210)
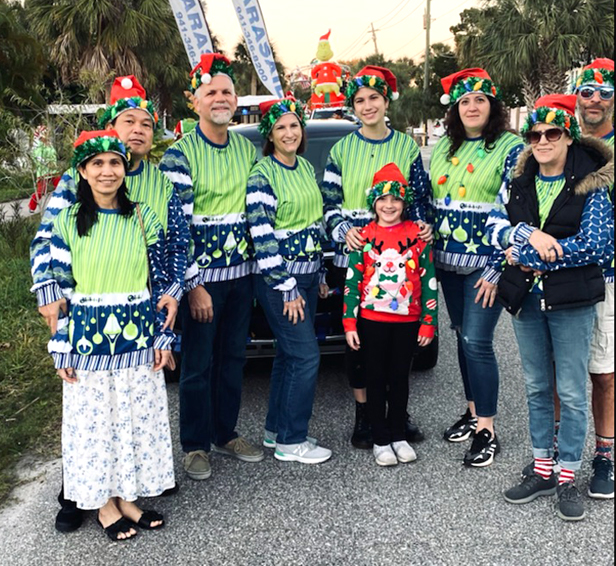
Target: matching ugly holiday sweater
(146, 185)
(211, 180)
(350, 171)
(393, 279)
(465, 188)
(285, 213)
(112, 321)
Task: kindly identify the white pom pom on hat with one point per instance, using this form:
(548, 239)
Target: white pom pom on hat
(126, 83)
(206, 79)
(395, 95)
(445, 99)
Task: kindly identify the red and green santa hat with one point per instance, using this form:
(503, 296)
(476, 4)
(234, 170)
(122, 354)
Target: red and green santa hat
(273, 110)
(557, 110)
(468, 81)
(127, 94)
(377, 78)
(209, 65)
(389, 181)
(600, 73)
(89, 144)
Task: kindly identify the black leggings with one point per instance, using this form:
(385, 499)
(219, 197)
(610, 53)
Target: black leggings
(387, 352)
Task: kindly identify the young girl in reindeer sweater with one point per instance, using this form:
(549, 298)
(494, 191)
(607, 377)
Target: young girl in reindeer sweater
(390, 308)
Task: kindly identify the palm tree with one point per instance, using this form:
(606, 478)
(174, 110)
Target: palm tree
(534, 43)
(245, 75)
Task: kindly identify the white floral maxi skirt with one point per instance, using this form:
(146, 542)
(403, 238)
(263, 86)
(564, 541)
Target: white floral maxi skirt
(116, 439)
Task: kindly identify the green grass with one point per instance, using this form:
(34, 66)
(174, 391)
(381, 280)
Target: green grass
(14, 187)
(30, 394)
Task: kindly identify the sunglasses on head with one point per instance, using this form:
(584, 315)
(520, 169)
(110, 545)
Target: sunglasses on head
(551, 135)
(587, 92)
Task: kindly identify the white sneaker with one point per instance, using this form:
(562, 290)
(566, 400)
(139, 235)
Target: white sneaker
(305, 453)
(269, 439)
(384, 455)
(404, 452)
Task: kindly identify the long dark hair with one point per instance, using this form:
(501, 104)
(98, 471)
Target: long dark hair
(498, 122)
(87, 213)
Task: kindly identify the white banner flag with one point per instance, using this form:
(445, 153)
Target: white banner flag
(193, 28)
(253, 27)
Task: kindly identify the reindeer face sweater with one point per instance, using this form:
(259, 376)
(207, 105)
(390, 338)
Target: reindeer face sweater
(392, 279)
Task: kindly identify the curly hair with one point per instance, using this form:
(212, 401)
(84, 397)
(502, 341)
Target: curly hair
(498, 123)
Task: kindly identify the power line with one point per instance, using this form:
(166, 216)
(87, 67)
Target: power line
(389, 14)
(394, 16)
(354, 44)
(403, 19)
(452, 10)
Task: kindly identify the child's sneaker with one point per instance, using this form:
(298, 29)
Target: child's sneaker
(404, 452)
(384, 455)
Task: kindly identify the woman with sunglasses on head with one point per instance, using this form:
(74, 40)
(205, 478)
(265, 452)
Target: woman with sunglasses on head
(467, 169)
(110, 348)
(555, 225)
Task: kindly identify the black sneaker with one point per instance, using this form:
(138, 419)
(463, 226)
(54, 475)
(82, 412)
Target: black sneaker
(569, 506)
(482, 451)
(602, 480)
(413, 432)
(362, 432)
(463, 429)
(532, 486)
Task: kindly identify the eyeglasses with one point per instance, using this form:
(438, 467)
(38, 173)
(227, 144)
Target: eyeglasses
(551, 135)
(587, 92)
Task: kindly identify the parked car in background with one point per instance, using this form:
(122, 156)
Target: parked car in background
(322, 135)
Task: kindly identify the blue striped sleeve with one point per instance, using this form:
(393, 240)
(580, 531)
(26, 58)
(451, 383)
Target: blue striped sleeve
(46, 289)
(261, 207)
(418, 180)
(333, 197)
(176, 247)
(510, 163)
(592, 244)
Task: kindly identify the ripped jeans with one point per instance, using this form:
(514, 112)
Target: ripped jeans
(475, 332)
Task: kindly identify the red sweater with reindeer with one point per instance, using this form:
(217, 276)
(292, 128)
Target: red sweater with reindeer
(392, 279)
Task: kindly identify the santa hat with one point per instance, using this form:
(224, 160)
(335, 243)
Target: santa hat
(325, 38)
(273, 110)
(89, 144)
(389, 181)
(127, 94)
(555, 109)
(599, 72)
(377, 78)
(468, 81)
(184, 127)
(209, 65)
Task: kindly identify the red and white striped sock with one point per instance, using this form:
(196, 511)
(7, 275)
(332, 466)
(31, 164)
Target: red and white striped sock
(544, 467)
(566, 476)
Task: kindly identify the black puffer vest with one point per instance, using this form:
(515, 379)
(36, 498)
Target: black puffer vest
(589, 167)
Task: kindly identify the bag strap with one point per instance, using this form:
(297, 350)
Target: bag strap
(145, 241)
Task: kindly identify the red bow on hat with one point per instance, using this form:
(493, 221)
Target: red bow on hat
(206, 62)
(86, 136)
(452, 80)
(126, 87)
(389, 174)
(602, 64)
(564, 102)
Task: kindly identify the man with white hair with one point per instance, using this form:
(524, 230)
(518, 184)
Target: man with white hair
(209, 168)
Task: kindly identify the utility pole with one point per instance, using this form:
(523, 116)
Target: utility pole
(427, 25)
(376, 47)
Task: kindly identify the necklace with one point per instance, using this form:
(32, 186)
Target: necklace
(375, 143)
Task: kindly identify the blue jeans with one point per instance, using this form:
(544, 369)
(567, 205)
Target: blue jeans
(475, 329)
(213, 358)
(296, 366)
(561, 338)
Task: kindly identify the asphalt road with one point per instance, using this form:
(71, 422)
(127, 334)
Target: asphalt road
(346, 511)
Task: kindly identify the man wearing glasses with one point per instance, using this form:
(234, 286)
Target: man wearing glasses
(595, 92)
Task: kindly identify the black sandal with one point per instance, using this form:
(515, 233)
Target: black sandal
(147, 518)
(120, 527)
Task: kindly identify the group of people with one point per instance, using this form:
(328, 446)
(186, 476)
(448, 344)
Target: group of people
(125, 246)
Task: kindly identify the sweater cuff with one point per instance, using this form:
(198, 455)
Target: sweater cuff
(174, 290)
(339, 232)
(192, 283)
(427, 331)
(292, 295)
(48, 293)
(163, 342)
(62, 361)
(521, 233)
(515, 252)
(491, 275)
(349, 324)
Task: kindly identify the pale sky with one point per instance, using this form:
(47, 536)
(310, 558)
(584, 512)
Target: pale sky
(295, 33)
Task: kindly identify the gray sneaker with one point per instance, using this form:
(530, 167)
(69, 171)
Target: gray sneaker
(305, 453)
(532, 486)
(241, 449)
(269, 439)
(569, 506)
(197, 465)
